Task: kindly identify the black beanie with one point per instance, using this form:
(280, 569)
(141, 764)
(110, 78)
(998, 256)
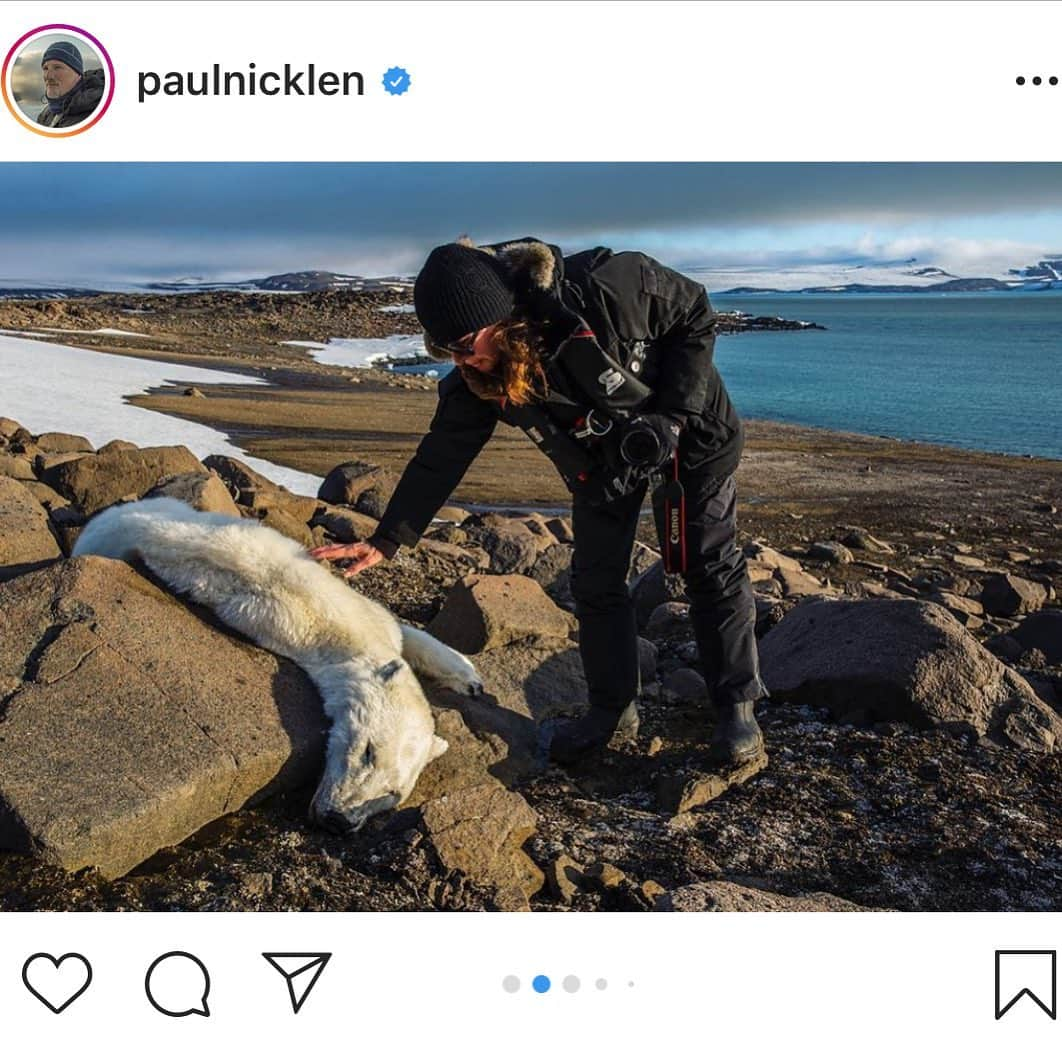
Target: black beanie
(67, 53)
(460, 290)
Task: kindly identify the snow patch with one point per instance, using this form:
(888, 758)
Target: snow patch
(51, 387)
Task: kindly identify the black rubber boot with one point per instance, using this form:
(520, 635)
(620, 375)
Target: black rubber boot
(573, 739)
(737, 736)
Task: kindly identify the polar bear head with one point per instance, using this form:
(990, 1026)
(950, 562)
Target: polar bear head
(382, 737)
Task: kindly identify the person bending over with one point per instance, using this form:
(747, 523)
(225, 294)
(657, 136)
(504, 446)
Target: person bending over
(606, 361)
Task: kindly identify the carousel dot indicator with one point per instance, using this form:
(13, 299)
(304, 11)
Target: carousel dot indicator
(540, 984)
(601, 984)
(511, 983)
(571, 983)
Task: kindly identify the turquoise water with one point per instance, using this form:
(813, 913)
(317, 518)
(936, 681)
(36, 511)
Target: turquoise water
(979, 371)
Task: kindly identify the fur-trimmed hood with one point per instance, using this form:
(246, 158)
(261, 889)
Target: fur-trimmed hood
(533, 266)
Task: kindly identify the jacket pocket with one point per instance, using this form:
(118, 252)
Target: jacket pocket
(705, 435)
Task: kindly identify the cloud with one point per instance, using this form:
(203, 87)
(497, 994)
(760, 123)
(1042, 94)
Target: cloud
(251, 219)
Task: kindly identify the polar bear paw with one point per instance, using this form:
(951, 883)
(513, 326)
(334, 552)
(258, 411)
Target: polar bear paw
(461, 676)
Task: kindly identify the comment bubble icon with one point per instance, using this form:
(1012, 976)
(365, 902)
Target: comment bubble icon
(178, 985)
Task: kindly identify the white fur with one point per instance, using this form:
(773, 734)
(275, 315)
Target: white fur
(361, 659)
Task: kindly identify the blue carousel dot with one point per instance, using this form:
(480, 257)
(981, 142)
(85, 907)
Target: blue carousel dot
(540, 984)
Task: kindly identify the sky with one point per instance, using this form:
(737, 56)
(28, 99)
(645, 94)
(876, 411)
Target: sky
(85, 223)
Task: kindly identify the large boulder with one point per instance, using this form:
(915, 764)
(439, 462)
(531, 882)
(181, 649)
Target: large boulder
(26, 540)
(485, 611)
(59, 442)
(16, 467)
(97, 480)
(511, 545)
(1010, 595)
(901, 660)
(202, 490)
(654, 587)
(730, 896)
(479, 831)
(1042, 631)
(345, 525)
(129, 722)
(361, 485)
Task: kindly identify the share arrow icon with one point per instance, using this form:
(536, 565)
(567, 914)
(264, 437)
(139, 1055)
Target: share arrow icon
(300, 970)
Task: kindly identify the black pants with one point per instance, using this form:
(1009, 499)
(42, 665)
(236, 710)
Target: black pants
(722, 610)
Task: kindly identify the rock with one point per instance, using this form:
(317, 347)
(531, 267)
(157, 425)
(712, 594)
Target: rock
(687, 685)
(57, 442)
(561, 528)
(1042, 631)
(452, 513)
(770, 558)
(98, 480)
(601, 876)
(134, 722)
(963, 560)
(263, 500)
(363, 486)
(652, 588)
(479, 832)
(193, 392)
(9, 427)
(909, 661)
(485, 611)
(832, 552)
(530, 680)
(1005, 647)
(647, 659)
(42, 462)
(510, 544)
(870, 588)
(116, 446)
(552, 571)
(202, 490)
(959, 606)
(58, 507)
(729, 896)
(677, 793)
(287, 525)
(15, 467)
(760, 574)
(237, 476)
(536, 524)
(796, 583)
(345, 483)
(345, 525)
(565, 879)
(859, 538)
(669, 619)
(26, 540)
(1009, 595)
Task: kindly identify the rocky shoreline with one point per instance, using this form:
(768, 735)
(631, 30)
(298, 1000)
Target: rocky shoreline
(916, 769)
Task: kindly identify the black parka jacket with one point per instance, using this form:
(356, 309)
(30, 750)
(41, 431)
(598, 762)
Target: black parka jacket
(657, 323)
(83, 99)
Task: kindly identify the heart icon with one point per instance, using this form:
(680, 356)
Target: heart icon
(57, 982)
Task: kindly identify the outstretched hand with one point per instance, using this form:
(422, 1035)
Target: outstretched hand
(361, 554)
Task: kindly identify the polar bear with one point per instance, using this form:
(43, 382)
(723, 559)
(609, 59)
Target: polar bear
(360, 658)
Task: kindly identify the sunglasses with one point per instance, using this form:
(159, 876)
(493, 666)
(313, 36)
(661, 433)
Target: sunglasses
(461, 348)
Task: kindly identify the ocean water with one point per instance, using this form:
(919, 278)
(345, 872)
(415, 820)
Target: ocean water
(978, 371)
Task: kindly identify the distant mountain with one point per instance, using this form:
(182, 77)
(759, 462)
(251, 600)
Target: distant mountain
(1046, 274)
(308, 280)
(959, 284)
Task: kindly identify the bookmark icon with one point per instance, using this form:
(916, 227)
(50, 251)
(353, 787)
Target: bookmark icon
(301, 970)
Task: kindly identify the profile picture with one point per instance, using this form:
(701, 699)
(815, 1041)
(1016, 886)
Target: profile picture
(57, 78)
